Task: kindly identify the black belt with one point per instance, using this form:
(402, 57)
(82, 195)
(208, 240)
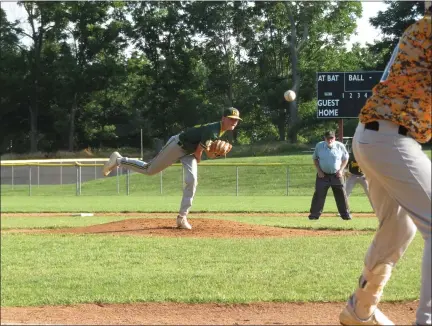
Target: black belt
(374, 125)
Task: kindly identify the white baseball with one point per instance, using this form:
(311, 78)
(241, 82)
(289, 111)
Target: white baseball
(290, 95)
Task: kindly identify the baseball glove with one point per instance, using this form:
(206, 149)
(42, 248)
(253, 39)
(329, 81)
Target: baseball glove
(219, 148)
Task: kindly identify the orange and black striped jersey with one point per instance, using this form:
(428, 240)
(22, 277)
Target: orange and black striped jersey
(404, 94)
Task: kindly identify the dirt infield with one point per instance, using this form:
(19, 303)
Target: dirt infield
(202, 228)
(163, 224)
(192, 314)
(195, 314)
(191, 216)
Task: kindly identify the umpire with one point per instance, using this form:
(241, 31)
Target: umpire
(330, 158)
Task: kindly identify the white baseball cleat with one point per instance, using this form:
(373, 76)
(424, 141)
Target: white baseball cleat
(182, 223)
(348, 317)
(111, 164)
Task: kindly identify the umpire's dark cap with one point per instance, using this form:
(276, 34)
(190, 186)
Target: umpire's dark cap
(232, 113)
(329, 134)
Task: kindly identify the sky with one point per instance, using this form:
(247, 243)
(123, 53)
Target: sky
(365, 31)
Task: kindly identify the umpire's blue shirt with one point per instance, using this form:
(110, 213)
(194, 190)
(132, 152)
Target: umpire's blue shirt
(330, 159)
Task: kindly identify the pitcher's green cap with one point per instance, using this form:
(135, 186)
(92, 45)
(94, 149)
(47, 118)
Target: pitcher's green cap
(232, 113)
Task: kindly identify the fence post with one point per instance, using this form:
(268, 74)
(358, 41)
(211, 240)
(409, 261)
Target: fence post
(128, 182)
(80, 179)
(237, 180)
(161, 182)
(77, 181)
(118, 180)
(12, 176)
(38, 174)
(30, 175)
(95, 169)
(287, 181)
(61, 173)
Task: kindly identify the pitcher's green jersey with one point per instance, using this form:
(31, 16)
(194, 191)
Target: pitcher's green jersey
(201, 135)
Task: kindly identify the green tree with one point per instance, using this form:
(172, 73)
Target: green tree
(13, 113)
(96, 73)
(284, 33)
(392, 22)
(176, 97)
(95, 39)
(44, 18)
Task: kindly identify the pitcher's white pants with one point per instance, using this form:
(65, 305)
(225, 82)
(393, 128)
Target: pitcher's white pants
(399, 176)
(167, 156)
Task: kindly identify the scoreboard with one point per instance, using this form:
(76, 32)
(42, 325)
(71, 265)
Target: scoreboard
(343, 94)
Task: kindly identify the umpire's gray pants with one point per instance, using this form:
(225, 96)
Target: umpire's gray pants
(399, 176)
(167, 156)
(321, 188)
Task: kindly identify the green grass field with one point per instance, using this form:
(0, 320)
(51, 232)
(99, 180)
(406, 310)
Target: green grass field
(41, 269)
(67, 269)
(171, 204)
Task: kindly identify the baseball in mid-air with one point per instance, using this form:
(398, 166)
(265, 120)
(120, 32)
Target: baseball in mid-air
(290, 95)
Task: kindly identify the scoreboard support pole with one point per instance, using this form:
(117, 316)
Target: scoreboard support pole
(340, 122)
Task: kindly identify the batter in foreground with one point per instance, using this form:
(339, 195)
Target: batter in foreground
(394, 120)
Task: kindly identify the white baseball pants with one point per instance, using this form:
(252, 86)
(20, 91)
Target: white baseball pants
(167, 156)
(399, 176)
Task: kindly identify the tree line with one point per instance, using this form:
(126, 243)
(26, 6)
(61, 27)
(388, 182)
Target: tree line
(96, 73)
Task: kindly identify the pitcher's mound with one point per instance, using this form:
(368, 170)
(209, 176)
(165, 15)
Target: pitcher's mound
(201, 228)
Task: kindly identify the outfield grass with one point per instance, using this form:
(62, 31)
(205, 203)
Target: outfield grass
(41, 269)
(8, 223)
(172, 203)
(68, 269)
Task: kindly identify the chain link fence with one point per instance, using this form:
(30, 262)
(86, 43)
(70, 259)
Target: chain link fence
(71, 179)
